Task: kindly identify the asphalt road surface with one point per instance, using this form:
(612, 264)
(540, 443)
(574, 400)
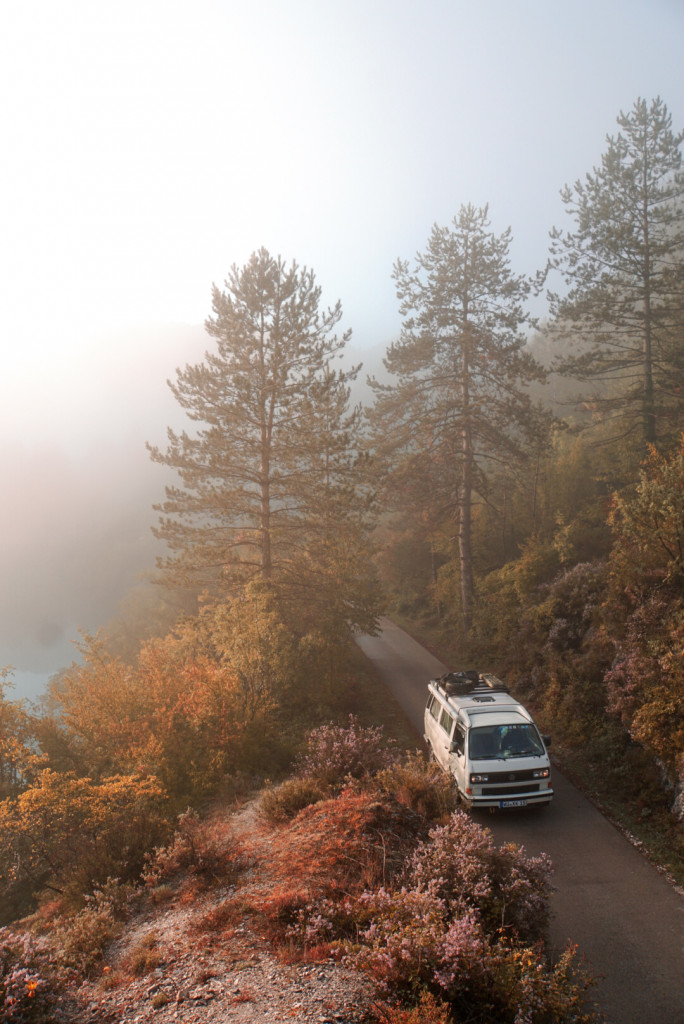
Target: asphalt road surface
(625, 917)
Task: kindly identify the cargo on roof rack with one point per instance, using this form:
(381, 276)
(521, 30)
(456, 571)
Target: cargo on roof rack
(463, 683)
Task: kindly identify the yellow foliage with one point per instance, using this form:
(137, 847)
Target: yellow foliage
(67, 833)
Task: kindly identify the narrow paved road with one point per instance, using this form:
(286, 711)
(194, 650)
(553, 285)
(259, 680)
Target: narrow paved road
(627, 919)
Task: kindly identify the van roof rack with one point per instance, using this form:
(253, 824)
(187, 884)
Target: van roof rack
(463, 684)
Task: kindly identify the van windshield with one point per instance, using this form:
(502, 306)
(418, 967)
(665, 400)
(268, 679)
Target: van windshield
(504, 741)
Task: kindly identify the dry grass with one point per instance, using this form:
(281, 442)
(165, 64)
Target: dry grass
(354, 841)
(143, 957)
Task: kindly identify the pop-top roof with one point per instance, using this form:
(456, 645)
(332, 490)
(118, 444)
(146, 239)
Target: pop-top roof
(475, 693)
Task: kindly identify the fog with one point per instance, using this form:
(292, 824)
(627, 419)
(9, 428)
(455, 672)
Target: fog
(77, 511)
(149, 146)
(77, 508)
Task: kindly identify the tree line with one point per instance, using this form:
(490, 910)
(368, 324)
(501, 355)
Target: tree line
(515, 486)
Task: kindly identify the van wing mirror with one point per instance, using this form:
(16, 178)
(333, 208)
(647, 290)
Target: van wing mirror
(547, 740)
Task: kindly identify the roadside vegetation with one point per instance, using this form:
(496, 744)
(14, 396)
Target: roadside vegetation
(370, 864)
(594, 647)
(558, 563)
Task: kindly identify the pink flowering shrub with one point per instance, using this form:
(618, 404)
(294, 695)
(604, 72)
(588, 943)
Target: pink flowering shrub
(402, 945)
(335, 754)
(503, 888)
(465, 926)
(25, 994)
(411, 944)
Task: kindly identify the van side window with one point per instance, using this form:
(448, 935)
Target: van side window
(446, 721)
(459, 739)
(433, 706)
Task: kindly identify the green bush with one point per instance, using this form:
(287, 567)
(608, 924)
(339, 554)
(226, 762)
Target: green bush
(286, 800)
(420, 785)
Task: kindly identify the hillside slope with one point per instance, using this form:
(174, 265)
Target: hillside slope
(201, 954)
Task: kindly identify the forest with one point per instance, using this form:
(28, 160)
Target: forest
(512, 495)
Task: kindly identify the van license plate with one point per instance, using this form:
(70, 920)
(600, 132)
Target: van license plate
(513, 803)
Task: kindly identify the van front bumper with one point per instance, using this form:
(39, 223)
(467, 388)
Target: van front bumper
(509, 799)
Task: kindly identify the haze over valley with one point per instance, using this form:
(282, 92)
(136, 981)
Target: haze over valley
(150, 147)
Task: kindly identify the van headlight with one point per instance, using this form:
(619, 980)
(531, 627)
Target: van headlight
(540, 773)
(479, 778)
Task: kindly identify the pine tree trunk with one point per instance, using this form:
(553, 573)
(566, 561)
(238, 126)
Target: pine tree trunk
(465, 534)
(649, 418)
(465, 552)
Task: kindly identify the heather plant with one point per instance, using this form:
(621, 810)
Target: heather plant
(412, 944)
(27, 989)
(334, 754)
(503, 888)
(466, 926)
(401, 942)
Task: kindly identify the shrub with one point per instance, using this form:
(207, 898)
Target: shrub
(461, 927)
(401, 942)
(197, 848)
(349, 843)
(288, 799)
(69, 833)
(335, 753)
(144, 956)
(421, 785)
(80, 940)
(506, 890)
(411, 944)
(427, 1010)
(26, 989)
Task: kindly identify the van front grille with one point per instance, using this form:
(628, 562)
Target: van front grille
(488, 790)
(513, 776)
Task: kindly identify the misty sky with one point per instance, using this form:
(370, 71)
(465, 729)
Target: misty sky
(150, 145)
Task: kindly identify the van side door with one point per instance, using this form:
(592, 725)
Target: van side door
(431, 723)
(443, 745)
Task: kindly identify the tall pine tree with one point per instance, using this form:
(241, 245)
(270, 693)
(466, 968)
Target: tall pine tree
(623, 263)
(457, 408)
(268, 477)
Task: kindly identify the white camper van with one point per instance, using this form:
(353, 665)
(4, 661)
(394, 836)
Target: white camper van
(488, 741)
